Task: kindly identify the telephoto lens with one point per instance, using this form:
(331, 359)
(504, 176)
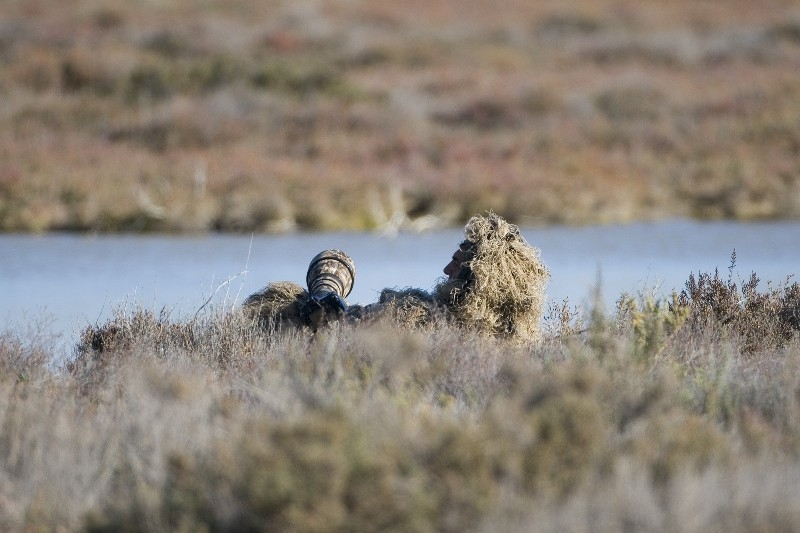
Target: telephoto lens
(331, 271)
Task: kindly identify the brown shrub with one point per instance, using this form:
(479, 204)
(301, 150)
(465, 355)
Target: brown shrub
(763, 320)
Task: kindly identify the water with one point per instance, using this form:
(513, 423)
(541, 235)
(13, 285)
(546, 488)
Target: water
(66, 282)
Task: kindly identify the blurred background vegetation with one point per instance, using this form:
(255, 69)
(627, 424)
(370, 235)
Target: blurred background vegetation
(279, 115)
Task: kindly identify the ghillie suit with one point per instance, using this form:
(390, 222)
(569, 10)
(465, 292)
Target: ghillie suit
(278, 306)
(408, 307)
(498, 291)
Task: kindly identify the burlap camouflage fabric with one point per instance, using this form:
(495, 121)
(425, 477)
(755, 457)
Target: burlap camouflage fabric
(499, 291)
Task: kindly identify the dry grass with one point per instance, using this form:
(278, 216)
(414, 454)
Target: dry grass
(254, 116)
(658, 417)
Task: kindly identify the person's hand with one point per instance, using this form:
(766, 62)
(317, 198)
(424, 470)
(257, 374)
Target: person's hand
(324, 308)
(332, 302)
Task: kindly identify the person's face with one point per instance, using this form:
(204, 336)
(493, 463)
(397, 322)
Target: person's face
(454, 266)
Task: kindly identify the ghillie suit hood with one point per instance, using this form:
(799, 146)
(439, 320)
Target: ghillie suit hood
(277, 306)
(501, 288)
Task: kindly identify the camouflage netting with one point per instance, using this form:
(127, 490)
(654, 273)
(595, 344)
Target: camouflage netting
(277, 305)
(505, 292)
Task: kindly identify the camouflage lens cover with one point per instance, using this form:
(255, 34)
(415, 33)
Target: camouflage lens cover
(331, 271)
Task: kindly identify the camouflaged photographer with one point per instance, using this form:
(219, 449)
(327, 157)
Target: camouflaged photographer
(495, 285)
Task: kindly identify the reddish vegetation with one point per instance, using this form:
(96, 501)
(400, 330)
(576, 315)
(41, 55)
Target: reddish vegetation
(269, 116)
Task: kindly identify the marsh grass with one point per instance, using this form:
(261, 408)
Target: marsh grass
(659, 416)
(325, 115)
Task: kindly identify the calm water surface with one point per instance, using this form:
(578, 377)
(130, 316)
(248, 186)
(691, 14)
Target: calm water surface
(66, 282)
